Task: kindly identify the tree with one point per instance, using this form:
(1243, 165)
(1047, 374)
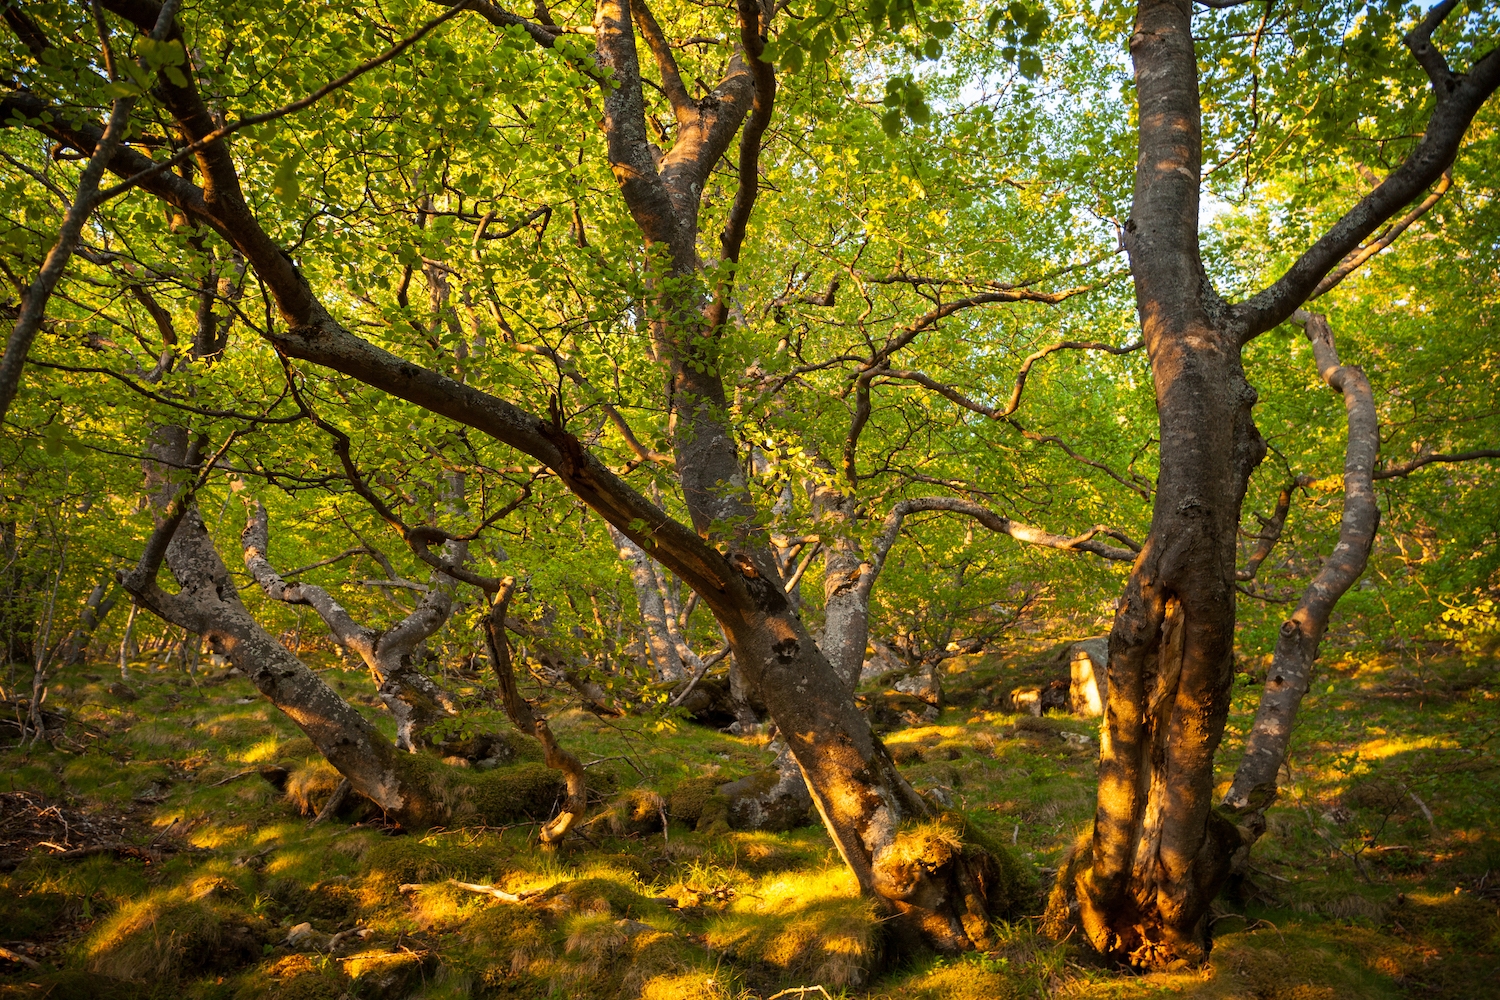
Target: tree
(778, 423)
(1159, 851)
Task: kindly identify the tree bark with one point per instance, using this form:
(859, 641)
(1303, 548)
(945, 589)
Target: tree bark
(1287, 680)
(208, 603)
(1141, 886)
(414, 699)
(653, 609)
(1158, 854)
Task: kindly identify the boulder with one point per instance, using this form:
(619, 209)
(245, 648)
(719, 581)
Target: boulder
(775, 799)
(1036, 699)
(882, 661)
(1088, 688)
(925, 684)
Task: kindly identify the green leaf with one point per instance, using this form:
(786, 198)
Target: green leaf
(284, 182)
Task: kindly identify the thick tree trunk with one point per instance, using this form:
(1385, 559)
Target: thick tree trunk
(1158, 853)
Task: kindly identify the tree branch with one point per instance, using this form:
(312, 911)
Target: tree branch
(1356, 259)
(683, 106)
(1254, 785)
(995, 522)
(1458, 100)
(1424, 459)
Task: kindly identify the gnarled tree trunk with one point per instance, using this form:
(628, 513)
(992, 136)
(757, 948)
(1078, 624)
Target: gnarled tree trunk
(1141, 887)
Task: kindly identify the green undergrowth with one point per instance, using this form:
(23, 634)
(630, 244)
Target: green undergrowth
(1373, 880)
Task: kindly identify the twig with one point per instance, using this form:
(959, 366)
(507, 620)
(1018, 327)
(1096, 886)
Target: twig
(332, 805)
(16, 956)
(627, 760)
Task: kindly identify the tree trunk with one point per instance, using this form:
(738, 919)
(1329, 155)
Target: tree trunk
(1254, 785)
(208, 603)
(101, 601)
(652, 606)
(1159, 854)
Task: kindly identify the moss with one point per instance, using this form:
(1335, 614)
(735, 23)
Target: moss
(168, 933)
(525, 791)
(964, 981)
(296, 977)
(1012, 890)
(599, 895)
(806, 927)
(440, 794)
(389, 973)
(27, 913)
(636, 811)
(73, 984)
(309, 785)
(688, 801)
(402, 860)
(508, 942)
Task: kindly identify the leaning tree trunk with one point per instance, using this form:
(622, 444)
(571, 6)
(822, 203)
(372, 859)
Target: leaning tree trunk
(208, 603)
(415, 700)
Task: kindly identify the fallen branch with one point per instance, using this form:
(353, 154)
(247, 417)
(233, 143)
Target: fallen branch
(15, 956)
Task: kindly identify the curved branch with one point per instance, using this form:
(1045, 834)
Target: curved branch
(1270, 532)
(1458, 100)
(1424, 459)
(683, 107)
(1254, 785)
(997, 523)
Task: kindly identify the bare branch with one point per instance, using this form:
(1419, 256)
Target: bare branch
(1425, 458)
(1270, 532)
(995, 522)
(88, 198)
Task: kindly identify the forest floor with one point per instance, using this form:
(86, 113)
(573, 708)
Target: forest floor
(145, 856)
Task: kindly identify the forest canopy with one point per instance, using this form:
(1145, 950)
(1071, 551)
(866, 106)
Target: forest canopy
(813, 386)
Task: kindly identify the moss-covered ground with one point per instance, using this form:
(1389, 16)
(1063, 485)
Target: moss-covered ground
(1378, 876)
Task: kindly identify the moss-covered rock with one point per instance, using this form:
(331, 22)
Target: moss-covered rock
(635, 811)
(169, 933)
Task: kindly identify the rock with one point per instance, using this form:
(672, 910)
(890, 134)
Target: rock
(890, 710)
(882, 661)
(123, 691)
(773, 800)
(1036, 700)
(1088, 688)
(925, 684)
(304, 938)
